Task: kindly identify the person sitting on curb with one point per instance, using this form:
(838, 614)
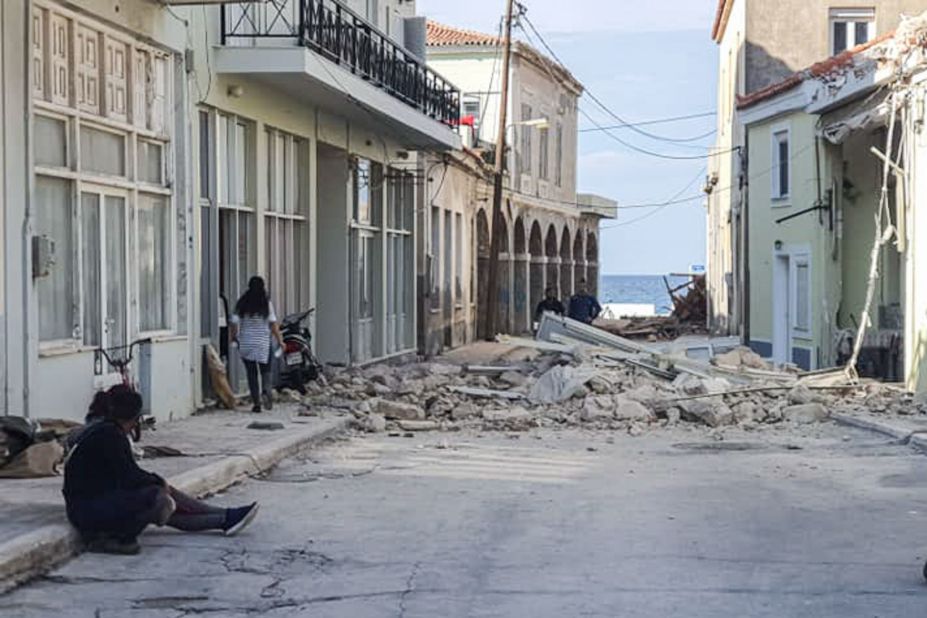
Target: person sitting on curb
(111, 500)
(583, 306)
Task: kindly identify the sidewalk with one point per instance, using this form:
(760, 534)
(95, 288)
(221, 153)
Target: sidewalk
(218, 450)
(906, 429)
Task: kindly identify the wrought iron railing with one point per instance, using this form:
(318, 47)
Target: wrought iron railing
(343, 37)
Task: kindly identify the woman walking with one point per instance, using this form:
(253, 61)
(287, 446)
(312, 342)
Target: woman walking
(253, 323)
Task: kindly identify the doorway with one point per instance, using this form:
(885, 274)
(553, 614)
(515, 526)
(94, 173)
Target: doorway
(781, 309)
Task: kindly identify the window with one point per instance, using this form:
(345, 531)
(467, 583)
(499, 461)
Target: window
(473, 109)
(285, 222)
(850, 27)
(434, 257)
(102, 104)
(802, 309)
(781, 169)
(154, 259)
(373, 12)
(558, 170)
(458, 258)
(399, 260)
(544, 154)
(526, 113)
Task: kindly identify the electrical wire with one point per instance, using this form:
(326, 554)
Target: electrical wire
(660, 207)
(624, 123)
(656, 121)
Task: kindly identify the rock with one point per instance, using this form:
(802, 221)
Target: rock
(630, 410)
(409, 387)
(801, 394)
(395, 410)
(713, 414)
(374, 423)
(643, 394)
(464, 411)
(418, 425)
(716, 385)
(434, 382)
(600, 385)
(362, 407)
(741, 358)
(744, 412)
(672, 416)
(686, 384)
(513, 378)
(805, 413)
(440, 406)
(375, 389)
(290, 395)
(509, 418)
(598, 408)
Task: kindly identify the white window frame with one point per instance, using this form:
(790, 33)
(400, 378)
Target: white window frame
(780, 198)
(796, 260)
(154, 124)
(850, 17)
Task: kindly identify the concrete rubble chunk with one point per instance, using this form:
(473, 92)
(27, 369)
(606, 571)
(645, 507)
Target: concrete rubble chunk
(395, 410)
(560, 383)
(630, 410)
(418, 425)
(805, 413)
(801, 394)
(686, 384)
(374, 423)
(515, 418)
(710, 412)
(513, 378)
(741, 357)
(598, 408)
(464, 411)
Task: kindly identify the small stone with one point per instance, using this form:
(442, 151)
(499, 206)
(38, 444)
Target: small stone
(464, 411)
(375, 389)
(375, 423)
(672, 416)
(513, 378)
(418, 425)
(805, 413)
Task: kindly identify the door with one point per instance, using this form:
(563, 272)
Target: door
(782, 307)
(236, 265)
(363, 331)
(104, 254)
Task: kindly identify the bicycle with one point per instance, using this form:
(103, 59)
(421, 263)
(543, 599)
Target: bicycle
(122, 363)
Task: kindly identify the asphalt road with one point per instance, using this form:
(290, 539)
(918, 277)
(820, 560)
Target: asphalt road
(546, 524)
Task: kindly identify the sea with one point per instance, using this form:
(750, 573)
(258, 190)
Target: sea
(638, 289)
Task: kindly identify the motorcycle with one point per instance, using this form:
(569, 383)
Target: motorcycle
(299, 364)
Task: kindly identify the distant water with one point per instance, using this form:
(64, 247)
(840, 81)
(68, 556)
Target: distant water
(638, 289)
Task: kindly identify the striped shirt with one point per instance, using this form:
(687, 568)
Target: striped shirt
(254, 335)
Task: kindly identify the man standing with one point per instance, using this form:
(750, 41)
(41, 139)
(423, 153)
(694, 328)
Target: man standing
(550, 304)
(583, 306)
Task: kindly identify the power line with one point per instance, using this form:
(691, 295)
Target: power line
(591, 95)
(607, 132)
(659, 207)
(681, 140)
(644, 123)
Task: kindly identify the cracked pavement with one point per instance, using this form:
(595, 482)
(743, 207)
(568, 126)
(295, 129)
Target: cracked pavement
(569, 523)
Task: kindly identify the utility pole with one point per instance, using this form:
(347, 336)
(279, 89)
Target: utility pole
(492, 294)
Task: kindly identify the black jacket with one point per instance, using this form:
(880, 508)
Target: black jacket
(549, 305)
(102, 462)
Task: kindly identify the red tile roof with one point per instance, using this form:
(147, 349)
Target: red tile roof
(818, 69)
(440, 35)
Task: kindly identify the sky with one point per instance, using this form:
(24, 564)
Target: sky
(644, 61)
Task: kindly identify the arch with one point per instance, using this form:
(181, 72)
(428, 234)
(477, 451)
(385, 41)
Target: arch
(579, 259)
(566, 264)
(520, 241)
(592, 263)
(536, 267)
(521, 273)
(482, 243)
(503, 281)
(553, 260)
(550, 242)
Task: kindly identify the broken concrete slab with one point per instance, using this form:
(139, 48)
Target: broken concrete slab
(630, 410)
(418, 425)
(395, 410)
(559, 384)
(805, 413)
(486, 392)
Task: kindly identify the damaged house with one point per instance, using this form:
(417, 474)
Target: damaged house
(835, 176)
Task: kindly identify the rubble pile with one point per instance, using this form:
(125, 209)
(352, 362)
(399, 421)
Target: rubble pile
(564, 379)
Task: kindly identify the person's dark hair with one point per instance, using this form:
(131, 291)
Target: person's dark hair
(118, 403)
(254, 301)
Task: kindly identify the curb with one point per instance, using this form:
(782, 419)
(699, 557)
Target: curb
(49, 546)
(886, 429)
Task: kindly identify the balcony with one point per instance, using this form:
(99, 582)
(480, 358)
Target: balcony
(335, 55)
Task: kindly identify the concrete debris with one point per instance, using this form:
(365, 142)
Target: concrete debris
(578, 376)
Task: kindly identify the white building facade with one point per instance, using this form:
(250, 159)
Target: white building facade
(173, 152)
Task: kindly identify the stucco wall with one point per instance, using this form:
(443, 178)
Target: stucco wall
(786, 36)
